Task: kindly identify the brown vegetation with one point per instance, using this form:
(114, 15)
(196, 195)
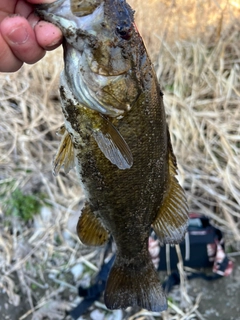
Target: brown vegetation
(195, 47)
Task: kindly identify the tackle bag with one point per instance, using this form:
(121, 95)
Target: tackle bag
(203, 247)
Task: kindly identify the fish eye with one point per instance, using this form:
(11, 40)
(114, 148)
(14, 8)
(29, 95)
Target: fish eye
(124, 32)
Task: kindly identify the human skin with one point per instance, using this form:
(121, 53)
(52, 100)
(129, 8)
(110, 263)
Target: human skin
(24, 38)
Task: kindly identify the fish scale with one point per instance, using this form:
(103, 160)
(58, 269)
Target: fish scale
(117, 137)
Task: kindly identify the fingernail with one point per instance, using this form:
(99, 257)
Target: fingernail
(18, 35)
(54, 43)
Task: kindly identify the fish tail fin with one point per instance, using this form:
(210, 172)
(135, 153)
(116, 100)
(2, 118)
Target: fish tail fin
(137, 284)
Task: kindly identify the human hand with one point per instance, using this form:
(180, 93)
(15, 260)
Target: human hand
(23, 36)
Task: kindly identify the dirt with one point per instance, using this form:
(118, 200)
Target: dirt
(9, 311)
(220, 298)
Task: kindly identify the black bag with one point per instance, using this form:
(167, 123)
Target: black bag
(199, 247)
(203, 247)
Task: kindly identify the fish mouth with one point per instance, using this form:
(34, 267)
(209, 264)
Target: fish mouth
(93, 66)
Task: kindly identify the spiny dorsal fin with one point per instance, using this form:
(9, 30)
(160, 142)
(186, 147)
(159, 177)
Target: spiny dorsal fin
(171, 222)
(90, 230)
(113, 145)
(65, 153)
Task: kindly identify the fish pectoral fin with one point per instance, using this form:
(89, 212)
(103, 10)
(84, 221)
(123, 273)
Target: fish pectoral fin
(90, 230)
(113, 145)
(65, 154)
(172, 220)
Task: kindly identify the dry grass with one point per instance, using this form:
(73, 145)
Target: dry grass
(198, 68)
(202, 100)
(174, 20)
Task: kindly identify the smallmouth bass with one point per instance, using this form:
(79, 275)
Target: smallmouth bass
(116, 135)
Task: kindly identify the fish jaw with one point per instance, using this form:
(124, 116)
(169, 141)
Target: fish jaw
(95, 70)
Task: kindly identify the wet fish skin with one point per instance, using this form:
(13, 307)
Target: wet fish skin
(83, 7)
(117, 133)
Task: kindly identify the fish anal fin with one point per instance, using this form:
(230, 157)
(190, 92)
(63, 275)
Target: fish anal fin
(140, 286)
(113, 145)
(90, 230)
(65, 154)
(171, 222)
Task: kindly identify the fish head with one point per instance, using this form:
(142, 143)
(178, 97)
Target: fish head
(99, 52)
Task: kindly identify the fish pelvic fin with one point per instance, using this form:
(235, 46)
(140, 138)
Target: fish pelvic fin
(113, 145)
(140, 286)
(90, 230)
(171, 222)
(65, 154)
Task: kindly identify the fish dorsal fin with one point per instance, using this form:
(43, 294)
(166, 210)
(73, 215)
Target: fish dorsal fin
(90, 230)
(65, 154)
(171, 222)
(113, 145)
